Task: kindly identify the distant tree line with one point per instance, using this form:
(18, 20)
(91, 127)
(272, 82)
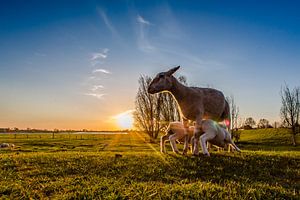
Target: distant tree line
(33, 130)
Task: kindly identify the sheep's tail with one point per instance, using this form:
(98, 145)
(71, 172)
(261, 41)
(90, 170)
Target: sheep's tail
(226, 115)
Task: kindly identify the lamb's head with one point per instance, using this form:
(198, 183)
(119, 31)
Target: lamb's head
(162, 81)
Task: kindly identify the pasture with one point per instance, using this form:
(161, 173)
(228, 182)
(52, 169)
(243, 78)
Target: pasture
(86, 167)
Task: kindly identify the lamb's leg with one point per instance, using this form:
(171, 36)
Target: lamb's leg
(234, 146)
(208, 146)
(197, 133)
(163, 142)
(186, 145)
(192, 142)
(186, 137)
(228, 147)
(173, 139)
(204, 138)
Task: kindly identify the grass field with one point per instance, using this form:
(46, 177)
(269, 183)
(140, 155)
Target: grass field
(85, 167)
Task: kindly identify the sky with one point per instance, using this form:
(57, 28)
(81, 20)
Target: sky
(76, 64)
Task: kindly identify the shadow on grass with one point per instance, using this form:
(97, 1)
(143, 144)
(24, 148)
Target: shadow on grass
(243, 168)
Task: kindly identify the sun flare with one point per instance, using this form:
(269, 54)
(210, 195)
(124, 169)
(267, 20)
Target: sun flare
(125, 119)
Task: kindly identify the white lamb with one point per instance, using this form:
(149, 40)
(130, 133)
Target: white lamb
(216, 135)
(175, 132)
(212, 133)
(6, 145)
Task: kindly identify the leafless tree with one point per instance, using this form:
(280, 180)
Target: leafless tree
(147, 109)
(249, 122)
(276, 124)
(290, 109)
(234, 112)
(234, 116)
(154, 112)
(263, 123)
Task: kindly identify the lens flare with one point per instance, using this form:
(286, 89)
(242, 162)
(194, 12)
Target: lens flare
(125, 119)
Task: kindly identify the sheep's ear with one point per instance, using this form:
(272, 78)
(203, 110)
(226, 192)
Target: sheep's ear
(172, 71)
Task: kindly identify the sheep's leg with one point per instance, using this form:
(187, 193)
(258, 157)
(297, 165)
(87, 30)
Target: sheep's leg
(186, 137)
(208, 146)
(234, 146)
(204, 138)
(163, 143)
(197, 133)
(186, 145)
(228, 147)
(192, 142)
(173, 139)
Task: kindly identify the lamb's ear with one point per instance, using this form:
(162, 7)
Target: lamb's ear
(172, 71)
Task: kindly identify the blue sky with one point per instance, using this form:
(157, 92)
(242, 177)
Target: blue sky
(75, 64)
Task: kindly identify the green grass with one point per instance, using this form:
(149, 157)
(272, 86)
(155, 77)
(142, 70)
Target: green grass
(70, 168)
(268, 139)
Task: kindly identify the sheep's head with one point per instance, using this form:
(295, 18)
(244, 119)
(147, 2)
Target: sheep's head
(162, 81)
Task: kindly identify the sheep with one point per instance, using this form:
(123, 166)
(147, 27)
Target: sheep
(216, 135)
(6, 145)
(195, 103)
(221, 138)
(174, 132)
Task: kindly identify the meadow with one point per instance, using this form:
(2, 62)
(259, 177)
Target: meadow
(127, 166)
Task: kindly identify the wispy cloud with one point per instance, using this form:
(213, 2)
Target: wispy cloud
(128, 112)
(143, 41)
(192, 59)
(96, 87)
(107, 22)
(97, 95)
(99, 55)
(102, 71)
(170, 27)
(96, 56)
(142, 20)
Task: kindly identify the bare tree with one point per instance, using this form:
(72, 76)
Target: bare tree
(234, 116)
(276, 124)
(290, 109)
(263, 123)
(249, 122)
(234, 112)
(147, 109)
(153, 113)
(169, 110)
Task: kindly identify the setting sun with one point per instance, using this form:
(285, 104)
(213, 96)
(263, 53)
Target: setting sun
(125, 119)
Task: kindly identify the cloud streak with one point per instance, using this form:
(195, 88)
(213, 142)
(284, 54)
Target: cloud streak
(107, 22)
(143, 41)
(96, 56)
(101, 71)
(97, 95)
(141, 20)
(128, 112)
(96, 87)
(100, 55)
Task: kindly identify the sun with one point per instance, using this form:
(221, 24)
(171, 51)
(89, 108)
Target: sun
(125, 120)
